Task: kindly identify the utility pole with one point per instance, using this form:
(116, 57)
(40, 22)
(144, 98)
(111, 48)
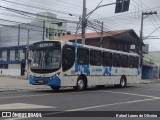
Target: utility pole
(84, 22)
(44, 22)
(142, 18)
(121, 6)
(19, 32)
(146, 14)
(27, 61)
(101, 37)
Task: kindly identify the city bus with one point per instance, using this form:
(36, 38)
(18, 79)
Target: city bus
(68, 64)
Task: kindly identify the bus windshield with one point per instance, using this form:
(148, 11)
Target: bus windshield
(46, 60)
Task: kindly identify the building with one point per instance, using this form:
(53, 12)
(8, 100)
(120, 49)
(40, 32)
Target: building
(42, 28)
(14, 39)
(121, 40)
(151, 65)
(12, 59)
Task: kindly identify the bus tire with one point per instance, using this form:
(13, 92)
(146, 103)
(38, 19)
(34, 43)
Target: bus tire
(123, 82)
(55, 88)
(81, 84)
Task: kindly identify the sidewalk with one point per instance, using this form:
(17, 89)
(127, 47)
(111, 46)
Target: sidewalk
(146, 81)
(19, 83)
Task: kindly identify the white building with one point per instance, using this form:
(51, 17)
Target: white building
(13, 41)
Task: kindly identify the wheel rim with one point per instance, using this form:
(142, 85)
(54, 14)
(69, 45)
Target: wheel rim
(80, 84)
(123, 82)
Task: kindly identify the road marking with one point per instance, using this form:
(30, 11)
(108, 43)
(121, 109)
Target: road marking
(130, 94)
(38, 95)
(99, 106)
(113, 104)
(22, 106)
(34, 95)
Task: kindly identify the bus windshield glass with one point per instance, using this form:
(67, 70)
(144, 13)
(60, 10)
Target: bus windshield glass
(46, 60)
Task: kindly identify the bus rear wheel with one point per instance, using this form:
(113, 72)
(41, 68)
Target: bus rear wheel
(123, 82)
(81, 84)
(55, 88)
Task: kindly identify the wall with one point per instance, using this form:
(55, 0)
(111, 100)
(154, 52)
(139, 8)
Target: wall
(156, 72)
(147, 72)
(13, 70)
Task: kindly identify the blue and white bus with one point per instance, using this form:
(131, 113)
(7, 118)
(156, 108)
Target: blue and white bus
(65, 64)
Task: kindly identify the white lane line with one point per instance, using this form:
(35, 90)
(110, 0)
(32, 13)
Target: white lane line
(130, 94)
(92, 107)
(22, 106)
(113, 104)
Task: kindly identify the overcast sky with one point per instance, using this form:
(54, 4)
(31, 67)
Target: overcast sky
(112, 21)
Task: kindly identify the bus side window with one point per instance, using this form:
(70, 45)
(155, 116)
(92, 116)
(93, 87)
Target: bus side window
(136, 62)
(106, 59)
(95, 57)
(68, 57)
(124, 61)
(116, 60)
(131, 61)
(83, 56)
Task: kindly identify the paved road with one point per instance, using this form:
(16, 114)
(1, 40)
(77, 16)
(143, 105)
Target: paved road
(138, 97)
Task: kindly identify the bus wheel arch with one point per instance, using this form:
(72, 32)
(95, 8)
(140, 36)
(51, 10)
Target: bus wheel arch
(123, 81)
(81, 83)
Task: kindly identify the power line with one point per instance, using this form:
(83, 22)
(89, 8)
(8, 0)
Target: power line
(37, 7)
(25, 12)
(152, 32)
(129, 13)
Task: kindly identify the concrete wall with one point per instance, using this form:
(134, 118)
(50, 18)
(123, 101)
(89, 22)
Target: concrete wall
(156, 72)
(13, 70)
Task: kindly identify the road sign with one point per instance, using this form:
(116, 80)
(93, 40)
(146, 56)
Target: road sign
(122, 6)
(145, 49)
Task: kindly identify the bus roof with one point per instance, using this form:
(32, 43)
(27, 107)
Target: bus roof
(99, 48)
(92, 47)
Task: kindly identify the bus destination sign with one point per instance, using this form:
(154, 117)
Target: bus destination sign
(47, 44)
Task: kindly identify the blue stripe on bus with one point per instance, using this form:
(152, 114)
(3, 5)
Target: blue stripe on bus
(83, 69)
(107, 71)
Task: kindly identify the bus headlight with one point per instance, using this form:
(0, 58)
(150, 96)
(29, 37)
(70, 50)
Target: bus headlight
(57, 74)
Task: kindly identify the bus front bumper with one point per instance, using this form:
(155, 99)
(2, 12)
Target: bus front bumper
(50, 81)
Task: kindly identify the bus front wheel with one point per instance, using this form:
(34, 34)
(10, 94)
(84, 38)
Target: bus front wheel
(81, 84)
(55, 88)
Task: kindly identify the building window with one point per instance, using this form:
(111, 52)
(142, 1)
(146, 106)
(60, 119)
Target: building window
(95, 57)
(68, 55)
(106, 59)
(4, 55)
(82, 56)
(12, 55)
(0, 55)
